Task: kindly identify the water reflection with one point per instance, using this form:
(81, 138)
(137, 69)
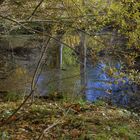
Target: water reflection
(56, 80)
(99, 83)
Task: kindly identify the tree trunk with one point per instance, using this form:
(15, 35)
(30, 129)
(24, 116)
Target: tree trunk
(83, 59)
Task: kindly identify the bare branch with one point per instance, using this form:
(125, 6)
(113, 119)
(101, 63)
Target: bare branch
(35, 9)
(33, 85)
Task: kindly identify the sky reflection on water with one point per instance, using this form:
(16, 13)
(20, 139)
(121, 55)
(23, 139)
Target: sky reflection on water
(99, 85)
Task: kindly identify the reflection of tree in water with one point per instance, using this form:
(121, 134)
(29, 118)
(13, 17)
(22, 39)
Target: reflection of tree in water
(16, 78)
(6, 66)
(100, 85)
(12, 76)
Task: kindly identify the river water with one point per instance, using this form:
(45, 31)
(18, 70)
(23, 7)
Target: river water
(99, 85)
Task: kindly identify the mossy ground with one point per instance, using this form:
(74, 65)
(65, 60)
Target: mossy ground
(77, 120)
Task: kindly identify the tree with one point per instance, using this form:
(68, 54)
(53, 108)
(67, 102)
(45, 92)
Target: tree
(92, 18)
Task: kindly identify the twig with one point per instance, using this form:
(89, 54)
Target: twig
(9, 118)
(32, 86)
(46, 34)
(45, 131)
(35, 9)
(48, 128)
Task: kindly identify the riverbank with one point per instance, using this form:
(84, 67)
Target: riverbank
(62, 119)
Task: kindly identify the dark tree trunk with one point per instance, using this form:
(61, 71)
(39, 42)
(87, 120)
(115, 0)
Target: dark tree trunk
(83, 59)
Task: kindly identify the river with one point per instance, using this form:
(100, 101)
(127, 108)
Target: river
(99, 85)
